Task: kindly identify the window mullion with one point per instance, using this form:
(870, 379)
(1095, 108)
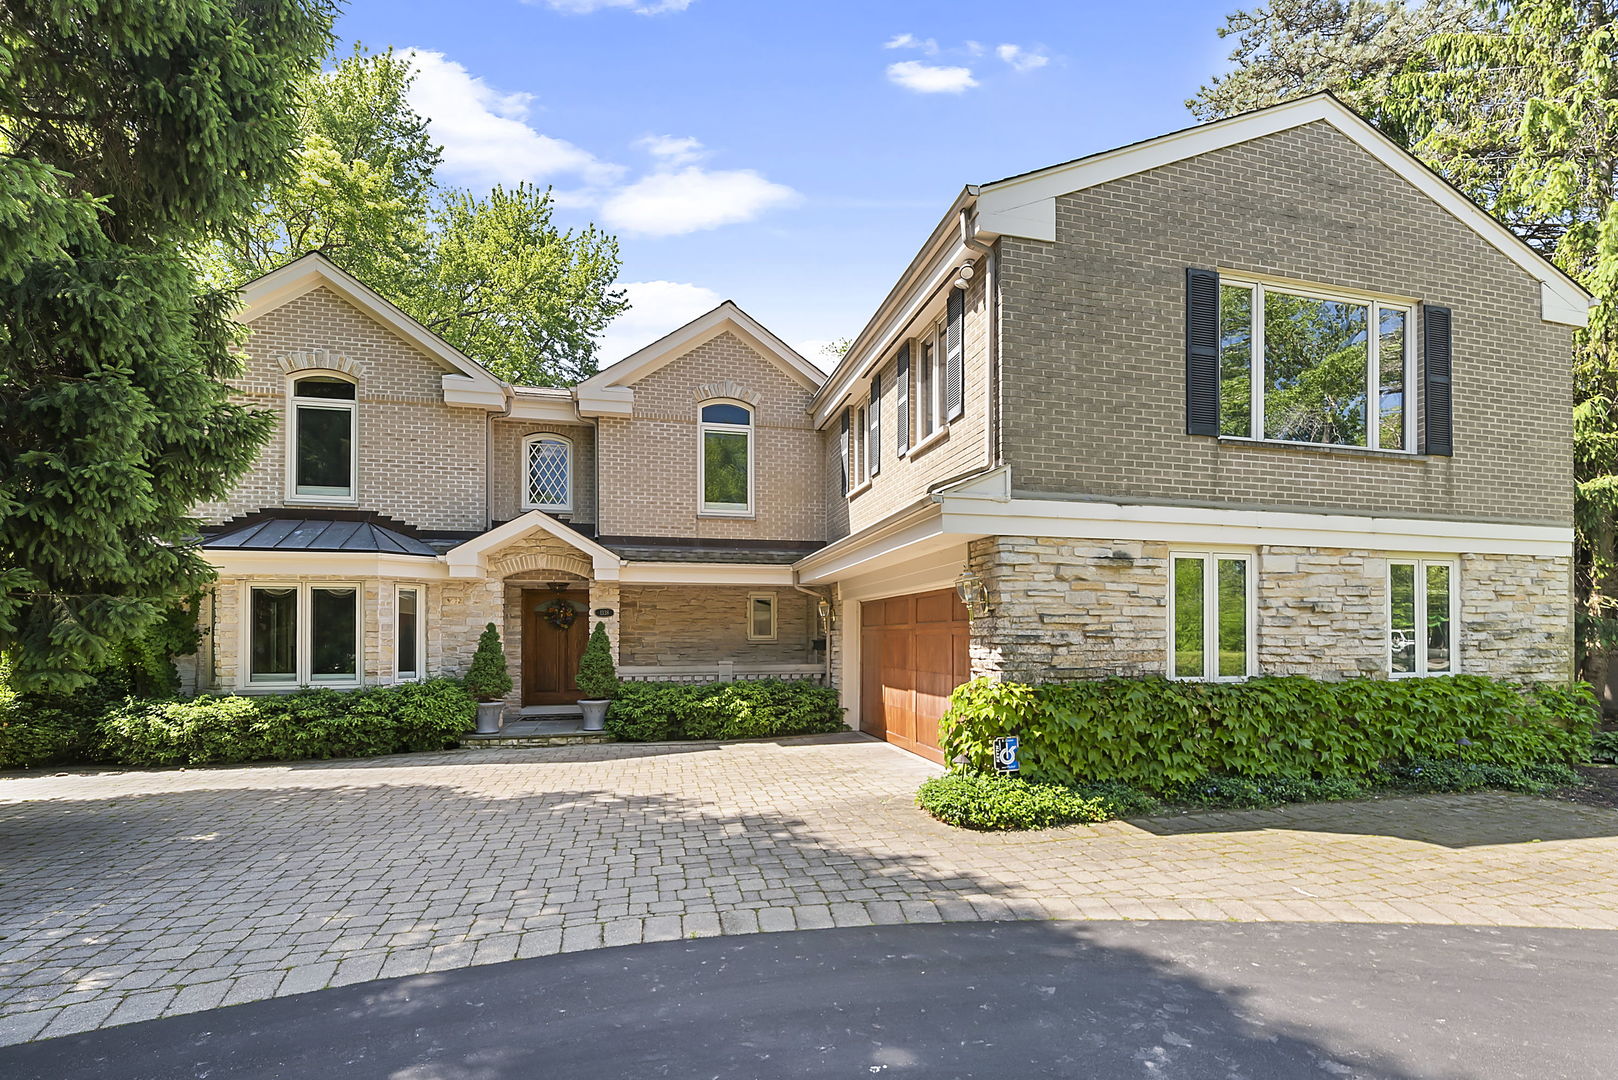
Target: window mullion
(1420, 630)
(1373, 377)
(1210, 617)
(1256, 344)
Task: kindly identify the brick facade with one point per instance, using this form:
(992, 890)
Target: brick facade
(676, 625)
(510, 468)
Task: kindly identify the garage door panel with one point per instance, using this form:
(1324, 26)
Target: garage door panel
(915, 652)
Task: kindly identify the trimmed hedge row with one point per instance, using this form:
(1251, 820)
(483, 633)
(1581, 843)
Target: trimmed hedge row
(766, 708)
(209, 730)
(1159, 736)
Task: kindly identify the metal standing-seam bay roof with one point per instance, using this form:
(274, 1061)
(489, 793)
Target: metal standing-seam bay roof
(307, 534)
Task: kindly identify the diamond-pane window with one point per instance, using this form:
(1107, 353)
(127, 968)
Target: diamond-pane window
(550, 474)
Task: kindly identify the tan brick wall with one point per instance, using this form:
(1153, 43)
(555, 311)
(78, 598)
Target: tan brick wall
(902, 481)
(510, 468)
(1070, 609)
(1093, 349)
(701, 624)
(649, 463)
(420, 461)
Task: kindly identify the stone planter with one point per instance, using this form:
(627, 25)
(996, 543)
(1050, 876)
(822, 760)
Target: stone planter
(595, 714)
(491, 717)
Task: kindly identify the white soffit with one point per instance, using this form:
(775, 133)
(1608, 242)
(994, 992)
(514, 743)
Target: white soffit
(1025, 205)
(467, 382)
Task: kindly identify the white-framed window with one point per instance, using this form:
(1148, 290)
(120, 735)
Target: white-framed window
(725, 449)
(929, 401)
(322, 448)
(761, 617)
(1211, 617)
(862, 448)
(1315, 367)
(1422, 617)
(409, 633)
(547, 473)
(302, 633)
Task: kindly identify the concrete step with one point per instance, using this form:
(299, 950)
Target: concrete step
(557, 731)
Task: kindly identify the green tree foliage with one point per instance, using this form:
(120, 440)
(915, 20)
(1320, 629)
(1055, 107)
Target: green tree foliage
(598, 678)
(488, 678)
(127, 132)
(490, 273)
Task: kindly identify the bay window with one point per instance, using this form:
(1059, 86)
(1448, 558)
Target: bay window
(321, 445)
(1421, 617)
(301, 634)
(1301, 366)
(725, 434)
(1210, 616)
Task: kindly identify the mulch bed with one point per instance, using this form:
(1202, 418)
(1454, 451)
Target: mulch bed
(1599, 787)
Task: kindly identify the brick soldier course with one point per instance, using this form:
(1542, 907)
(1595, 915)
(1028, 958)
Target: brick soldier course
(133, 895)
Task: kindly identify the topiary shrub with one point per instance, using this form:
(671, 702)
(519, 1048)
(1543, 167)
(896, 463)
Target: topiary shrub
(765, 708)
(488, 678)
(597, 679)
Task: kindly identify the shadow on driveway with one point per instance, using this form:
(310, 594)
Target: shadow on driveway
(1000, 1000)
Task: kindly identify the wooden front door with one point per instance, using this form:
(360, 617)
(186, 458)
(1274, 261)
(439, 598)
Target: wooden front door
(914, 650)
(550, 655)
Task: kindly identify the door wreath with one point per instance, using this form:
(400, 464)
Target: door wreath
(560, 614)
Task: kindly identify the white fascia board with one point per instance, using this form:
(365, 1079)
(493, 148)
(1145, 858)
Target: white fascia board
(886, 338)
(936, 569)
(460, 390)
(559, 410)
(705, 327)
(1017, 206)
(469, 560)
(297, 564)
(606, 401)
(1246, 528)
(680, 573)
(909, 536)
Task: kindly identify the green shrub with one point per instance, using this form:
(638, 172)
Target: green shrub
(597, 678)
(488, 678)
(44, 729)
(989, 802)
(767, 708)
(1604, 747)
(318, 723)
(1161, 736)
(1426, 775)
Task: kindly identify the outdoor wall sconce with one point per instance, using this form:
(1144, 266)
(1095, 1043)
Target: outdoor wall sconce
(974, 594)
(828, 617)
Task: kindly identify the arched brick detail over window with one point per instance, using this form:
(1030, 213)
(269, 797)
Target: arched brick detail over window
(576, 565)
(728, 388)
(318, 359)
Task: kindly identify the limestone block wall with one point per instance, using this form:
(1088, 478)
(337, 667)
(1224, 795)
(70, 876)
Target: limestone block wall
(1322, 612)
(1517, 616)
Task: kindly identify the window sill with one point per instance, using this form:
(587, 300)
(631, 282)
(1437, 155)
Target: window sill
(549, 509)
(929, 442)
(1323, 448)
(323, 500)
(860, 490)
(734, 515)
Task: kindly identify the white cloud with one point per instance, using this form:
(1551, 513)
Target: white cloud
(1021, 59)
(655, 308)
(673, 202)
(484, 132)
(672, 150)
(911, 41)
(640, 7)
(928, 79)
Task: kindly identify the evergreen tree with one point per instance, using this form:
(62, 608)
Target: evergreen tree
(598, 678)
(127, 131)
(488, 678)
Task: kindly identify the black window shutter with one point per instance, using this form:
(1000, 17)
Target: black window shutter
(876, 423)
(1438, 405)
(844, 451)
(954, 356)
(1201, 352)
(901, 434)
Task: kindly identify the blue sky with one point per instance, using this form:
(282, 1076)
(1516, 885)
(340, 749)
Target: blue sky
(789, 156)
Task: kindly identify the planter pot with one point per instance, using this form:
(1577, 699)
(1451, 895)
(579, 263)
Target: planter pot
(491, 717)
(595, 714)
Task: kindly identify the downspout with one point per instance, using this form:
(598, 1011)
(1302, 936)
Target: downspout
(991, 312)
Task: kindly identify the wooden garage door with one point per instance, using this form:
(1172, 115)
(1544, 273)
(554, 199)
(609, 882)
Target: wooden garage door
(913, 653)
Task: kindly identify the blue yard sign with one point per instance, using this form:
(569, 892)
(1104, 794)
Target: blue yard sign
(1005, 754)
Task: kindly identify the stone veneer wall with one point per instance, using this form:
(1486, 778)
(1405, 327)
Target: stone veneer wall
(701, 624)
(1072, 609)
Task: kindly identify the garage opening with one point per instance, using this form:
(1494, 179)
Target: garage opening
(914, 650)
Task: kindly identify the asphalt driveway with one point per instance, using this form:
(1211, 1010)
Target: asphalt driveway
(127, 896)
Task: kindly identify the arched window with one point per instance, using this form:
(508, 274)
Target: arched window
(725, 443)
(321, 446)
(548, 473)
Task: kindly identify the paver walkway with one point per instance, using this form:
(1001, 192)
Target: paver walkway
(125, 896)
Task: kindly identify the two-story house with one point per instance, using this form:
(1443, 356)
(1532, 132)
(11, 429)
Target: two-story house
(1261, 396)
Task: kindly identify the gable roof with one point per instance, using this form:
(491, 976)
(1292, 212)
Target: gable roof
(470, 559)
(727, 316)
(1025, 205)
(466, 383)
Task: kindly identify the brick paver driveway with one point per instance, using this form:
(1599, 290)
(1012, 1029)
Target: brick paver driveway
(125, 896)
